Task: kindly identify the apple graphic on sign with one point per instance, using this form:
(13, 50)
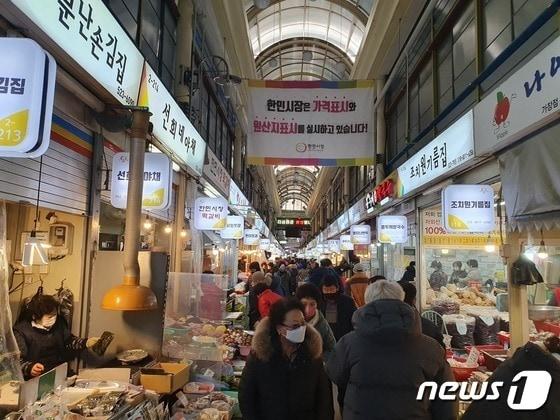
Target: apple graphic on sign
(501, 111)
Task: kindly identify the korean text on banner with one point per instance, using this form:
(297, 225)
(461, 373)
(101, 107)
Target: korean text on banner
(87, 31)
(392, 229)
(210, 213)
(447, 151)
(468, 208)
(156, 191)
(334, 245)
(264, 244)
(216, 173)
(234, 228)
(360, 234)
(346, 243)
(172, 128)
(251, 237)
(310, 123)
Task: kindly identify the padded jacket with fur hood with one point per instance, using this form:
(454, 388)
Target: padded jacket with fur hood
(274, 388)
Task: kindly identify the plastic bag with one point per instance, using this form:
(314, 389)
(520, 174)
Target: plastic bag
(486, 329)
(524, 271)
(445, 306)
(461, 328)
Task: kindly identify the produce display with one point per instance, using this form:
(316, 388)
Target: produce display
(445, 306)
(468, 296)
(461, 329)
(213, 406)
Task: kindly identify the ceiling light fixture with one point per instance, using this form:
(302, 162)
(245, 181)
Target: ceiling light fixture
(168, 228)
(147, 223)
(541, 253)
(490, 246)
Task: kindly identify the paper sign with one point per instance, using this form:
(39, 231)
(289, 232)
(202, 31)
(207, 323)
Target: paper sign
(334, 245)
(472, 359)
(264, 244)
(234, 228)
(346, 243)
(360, 234)
(251, 237)
(392, 229)
(156, 192)
(210, 213)
(215, 172)
(468, 208)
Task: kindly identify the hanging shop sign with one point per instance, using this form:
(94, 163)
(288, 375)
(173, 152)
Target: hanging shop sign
(392, 229)
(452, 148)
(216, 173)
(346, 243)
(210, 213)
(527, 100)
(468, 208)
(172, 128)
(435, 235)
(343, 222)
(311, 123)
(91, 36)
(357, 212)
(264, 244)
(234, 227)
(334, 245)
(360, 234)
(251, 237)
(156, 191)
(27, 81)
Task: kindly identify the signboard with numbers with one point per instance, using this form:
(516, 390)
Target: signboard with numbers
(346, 243)
(447, 151)
(87, 31)
(326, 123)
(251, 237)
(156, 192)
(27, 81)
(527, 100)
(210, 213)
(264, 244)
(234, 228)
(216, 173)
(172, 128)
(392, 229)
(468, 208)
(360, 234)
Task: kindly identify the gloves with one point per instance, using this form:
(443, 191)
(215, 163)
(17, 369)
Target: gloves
(91, 342)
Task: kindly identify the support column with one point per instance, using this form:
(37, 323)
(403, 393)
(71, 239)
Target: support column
(517, 295)
(184, 48)
(197, 244)
(380, 131)
(178, 240)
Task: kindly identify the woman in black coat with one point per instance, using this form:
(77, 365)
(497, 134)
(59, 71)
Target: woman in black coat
(284, 376)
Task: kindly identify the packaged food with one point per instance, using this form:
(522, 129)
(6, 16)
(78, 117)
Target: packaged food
(445, 306)
(461, 329)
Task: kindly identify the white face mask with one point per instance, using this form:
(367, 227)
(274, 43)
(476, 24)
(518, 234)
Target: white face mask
(296, 335)
(48, 321)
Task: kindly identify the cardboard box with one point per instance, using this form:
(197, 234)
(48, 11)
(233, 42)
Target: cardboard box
(175, 377)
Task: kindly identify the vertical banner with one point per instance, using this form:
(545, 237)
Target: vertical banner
(210, 213)
(311, 123)
(468, 208)
(346, 243)
(234, 228)
(156, 191)
(360, 234)
(392, 229)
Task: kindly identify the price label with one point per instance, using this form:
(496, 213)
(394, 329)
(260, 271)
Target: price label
(461, 327)
(488, 320)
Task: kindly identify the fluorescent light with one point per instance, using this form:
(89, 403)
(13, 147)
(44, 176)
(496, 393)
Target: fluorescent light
(34, 252)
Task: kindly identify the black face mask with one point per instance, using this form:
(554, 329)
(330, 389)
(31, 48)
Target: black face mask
(330, 296)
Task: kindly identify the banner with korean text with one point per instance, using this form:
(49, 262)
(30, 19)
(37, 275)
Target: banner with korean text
(321, 123)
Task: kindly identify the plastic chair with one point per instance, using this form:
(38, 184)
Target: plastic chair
(437, 319)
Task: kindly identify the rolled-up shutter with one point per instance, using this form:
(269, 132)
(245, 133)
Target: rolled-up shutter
(65, 172)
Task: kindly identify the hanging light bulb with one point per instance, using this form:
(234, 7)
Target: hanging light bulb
(490, 246)
(445, 251)
(183, 233)
(541, 253)
(147, 223)
(167, 228)
(378, 244)
(215, 251)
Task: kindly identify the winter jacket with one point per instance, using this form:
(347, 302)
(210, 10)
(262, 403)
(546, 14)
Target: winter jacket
(438, 279)
(49, 348)
(345, 309)
(265, 300)
(356, 288)
(409, 274)
(528, 357)
(432, 330)
(282, 283)
(322, 326)
(384, 361)
(275, 388)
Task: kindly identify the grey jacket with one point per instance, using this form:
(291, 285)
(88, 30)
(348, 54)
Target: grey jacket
(324, 329)
(384, 361)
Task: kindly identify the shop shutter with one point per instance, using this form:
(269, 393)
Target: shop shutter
(66, 171)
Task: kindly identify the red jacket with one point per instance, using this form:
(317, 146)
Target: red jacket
(266, 299)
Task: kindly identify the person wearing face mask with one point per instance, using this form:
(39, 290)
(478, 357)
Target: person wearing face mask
(311, 298)
(45, 340)
(338, 307)
(284, 376)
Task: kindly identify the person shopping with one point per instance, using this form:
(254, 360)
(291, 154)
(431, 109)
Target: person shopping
(357, 284)
(284, 378)
(337, 308)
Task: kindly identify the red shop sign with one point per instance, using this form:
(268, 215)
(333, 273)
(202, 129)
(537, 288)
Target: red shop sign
(384, 190)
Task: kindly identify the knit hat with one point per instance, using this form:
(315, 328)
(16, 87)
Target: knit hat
(360, 268)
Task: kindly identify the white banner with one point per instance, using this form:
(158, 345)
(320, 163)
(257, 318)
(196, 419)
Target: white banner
(210, 213)
(311, 123)
(450, 149)
(251, 237)
(236, 196)
(468, 208)
(264, 244)
(87, 31)
(392, 229)
(216, 173)
(346, 243)
(360, 234)
(525, 101)
(27, 81)
(334, 245)
(172, 128)
(156, 191)
(234, 228)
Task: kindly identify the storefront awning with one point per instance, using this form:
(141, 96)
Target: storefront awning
(530, 176)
